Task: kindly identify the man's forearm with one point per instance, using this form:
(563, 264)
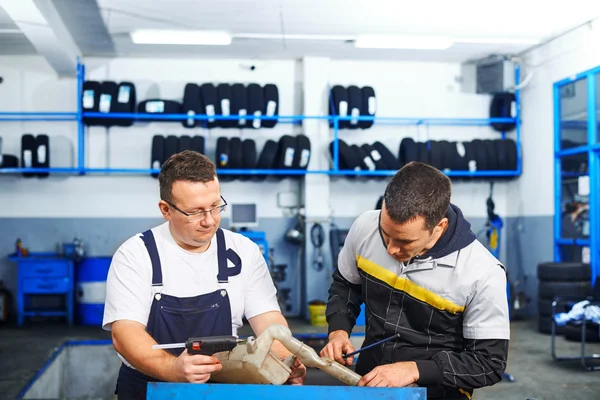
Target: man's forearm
(482, 363)
(343, 304)
(131, 340)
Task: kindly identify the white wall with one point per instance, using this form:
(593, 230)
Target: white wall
(413, 89)
(533, 194)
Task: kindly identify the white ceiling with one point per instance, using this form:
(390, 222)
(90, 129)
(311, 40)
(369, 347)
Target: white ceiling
(102, 27)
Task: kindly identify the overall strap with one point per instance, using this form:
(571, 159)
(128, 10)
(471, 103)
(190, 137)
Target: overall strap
(224, 254)
(150, 243)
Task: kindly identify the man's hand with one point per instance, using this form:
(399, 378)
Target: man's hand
(194, 368)
(298, 374)
(339, 343)
(399, 374)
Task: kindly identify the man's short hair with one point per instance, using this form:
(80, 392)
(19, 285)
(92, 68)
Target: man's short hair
(418, 190)
(188, 166)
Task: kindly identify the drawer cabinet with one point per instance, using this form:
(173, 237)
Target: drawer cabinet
(44, 274)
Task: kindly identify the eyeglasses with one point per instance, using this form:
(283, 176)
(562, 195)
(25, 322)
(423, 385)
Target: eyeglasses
(200, 215)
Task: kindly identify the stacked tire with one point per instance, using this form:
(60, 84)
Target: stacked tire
(560, 280)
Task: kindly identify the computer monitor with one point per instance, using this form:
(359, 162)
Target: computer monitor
(243, 216)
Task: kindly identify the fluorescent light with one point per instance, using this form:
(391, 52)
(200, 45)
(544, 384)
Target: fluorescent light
(187, 37)
(495, 40)
(403, 42)
(301, 36)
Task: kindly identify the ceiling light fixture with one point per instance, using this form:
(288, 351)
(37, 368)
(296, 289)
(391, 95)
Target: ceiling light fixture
(403, 42)
(183, 37)
(491, 40)
(301, 36)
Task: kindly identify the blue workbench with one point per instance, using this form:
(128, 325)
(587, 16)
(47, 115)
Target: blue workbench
(181, 391)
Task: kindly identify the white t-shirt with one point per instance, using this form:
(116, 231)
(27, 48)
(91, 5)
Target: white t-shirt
(129, 292)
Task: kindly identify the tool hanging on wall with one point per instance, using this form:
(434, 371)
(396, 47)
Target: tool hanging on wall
(317, 238)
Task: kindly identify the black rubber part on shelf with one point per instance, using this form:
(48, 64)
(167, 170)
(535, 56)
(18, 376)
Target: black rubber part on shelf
(337, 97)
(510, 148)
(564, 271)
(185, 143)
(271, 109)
(192, 105)
(449, 154)
(391, 162)
(286, 151)
(348, 155)
(463, 154)
(222, 158)
(376, 157)
(126, 100)
(42, 150)
(108, 101)
(224, 97)
(424, 153)
(266, 160)
(210, 104)
(157, 158)
(436, 154)
(28, 153)
(249, 155)
(358, 159)
(573, 332)
(354, 105)
(407, 151)
(90, 92)
(236, 156)
(551, 289)
(9, 161)
(198, 144)
(366, 162)
(256, 105)
(249, 158)
(302, 153)
(367, 99)
(480, 155)
(171, 146)
(150, 106)
(239, 104)
(500, 107)
(491, 155)
(341, 162)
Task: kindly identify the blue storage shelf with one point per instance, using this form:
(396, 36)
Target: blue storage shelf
(592, 149)
(79, 117)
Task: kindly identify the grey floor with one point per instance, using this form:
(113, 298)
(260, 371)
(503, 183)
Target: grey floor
(23, 351)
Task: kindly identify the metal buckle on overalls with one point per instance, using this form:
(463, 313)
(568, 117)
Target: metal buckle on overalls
(158, 293)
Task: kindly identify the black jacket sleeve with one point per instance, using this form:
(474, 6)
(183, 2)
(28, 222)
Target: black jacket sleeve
(481, 363)
(343, 304)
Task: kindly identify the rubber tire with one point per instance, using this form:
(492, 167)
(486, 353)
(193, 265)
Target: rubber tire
(564, 271)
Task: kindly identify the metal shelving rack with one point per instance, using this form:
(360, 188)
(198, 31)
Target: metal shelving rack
(592, 149)
(81, 169)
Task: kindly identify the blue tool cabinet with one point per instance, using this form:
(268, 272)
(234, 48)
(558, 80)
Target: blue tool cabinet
(44, 274)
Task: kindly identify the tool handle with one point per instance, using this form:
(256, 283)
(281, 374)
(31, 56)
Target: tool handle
(397, 335)
(210, 345)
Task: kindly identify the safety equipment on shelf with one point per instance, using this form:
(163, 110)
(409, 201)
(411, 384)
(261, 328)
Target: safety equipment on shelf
(353, 102)
(192, 105)
(503, 105)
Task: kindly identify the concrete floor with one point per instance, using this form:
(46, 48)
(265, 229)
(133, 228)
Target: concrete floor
(23, 351)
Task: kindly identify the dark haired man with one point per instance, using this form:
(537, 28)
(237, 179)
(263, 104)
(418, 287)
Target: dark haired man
(185, 278)
(423, 275)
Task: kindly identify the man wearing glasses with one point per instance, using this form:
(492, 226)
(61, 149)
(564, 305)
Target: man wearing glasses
(427, 281)
(185, 278)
